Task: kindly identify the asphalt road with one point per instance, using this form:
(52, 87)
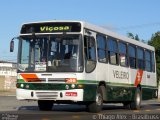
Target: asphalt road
(11, 109)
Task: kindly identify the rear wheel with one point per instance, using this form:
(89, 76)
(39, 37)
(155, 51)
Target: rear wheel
(136, 104)
(97, 105)
(45, 104)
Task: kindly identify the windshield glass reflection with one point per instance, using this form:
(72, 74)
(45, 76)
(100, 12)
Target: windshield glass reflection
(51, 53)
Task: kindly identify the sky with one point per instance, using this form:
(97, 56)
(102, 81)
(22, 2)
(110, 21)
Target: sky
(141, 17)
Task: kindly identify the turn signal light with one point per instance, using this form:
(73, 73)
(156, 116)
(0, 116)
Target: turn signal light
(17, 85)
(80, 86)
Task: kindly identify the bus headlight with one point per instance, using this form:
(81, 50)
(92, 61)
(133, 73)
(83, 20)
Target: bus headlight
(73, 86)
(22, 85)
(67, 87)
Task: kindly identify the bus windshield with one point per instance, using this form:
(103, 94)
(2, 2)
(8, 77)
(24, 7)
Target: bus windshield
(50, 53)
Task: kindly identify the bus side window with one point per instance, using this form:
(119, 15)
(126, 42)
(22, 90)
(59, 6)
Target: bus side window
(123, 58)
(90, 53)
(153, 62)
(112, 51)
(140, 58)
(101, 48)
(148, 61)
(132, 56)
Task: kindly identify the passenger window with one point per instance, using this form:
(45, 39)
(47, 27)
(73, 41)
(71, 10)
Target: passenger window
(123, 54)
(140, 58)
(153, 62)
(101, 48)
(148, 61)
(132, 56)
(90, 53)
(112, 51)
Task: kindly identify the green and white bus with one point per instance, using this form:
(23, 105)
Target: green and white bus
(80, 63)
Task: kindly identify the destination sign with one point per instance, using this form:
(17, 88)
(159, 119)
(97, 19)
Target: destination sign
(54, 28)
(51, 27)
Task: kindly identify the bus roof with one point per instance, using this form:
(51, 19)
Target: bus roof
(117, 36)
(102, 31)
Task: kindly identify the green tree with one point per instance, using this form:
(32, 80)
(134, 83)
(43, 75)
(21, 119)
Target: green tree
(136, 37)
(155, 42)
(132, 36)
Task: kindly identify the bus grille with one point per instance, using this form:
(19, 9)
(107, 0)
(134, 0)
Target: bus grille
(56, 80)
(47, 95)
(49, 80)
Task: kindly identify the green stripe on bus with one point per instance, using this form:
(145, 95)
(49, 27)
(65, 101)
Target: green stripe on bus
(87, 81)
(147, 86)
(20, 80)
(126, 84)
(119, 84)
(107, 83)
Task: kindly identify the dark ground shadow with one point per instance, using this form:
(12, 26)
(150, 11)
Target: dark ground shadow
(82, 108)
(72, 108)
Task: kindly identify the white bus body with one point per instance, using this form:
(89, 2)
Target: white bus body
(74, 61)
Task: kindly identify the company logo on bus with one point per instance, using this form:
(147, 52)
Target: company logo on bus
(138, 78)
(73, 94)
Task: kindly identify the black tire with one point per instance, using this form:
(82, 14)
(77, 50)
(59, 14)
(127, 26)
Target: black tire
(45, 105)
(96, 106)
(136, 104)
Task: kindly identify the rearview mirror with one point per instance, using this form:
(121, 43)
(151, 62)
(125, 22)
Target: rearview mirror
(11, 46)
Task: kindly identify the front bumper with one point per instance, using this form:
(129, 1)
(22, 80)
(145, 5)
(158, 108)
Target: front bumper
(71, 95)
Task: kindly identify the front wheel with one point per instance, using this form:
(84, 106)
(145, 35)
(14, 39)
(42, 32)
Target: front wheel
(97, 105)
(45, 104)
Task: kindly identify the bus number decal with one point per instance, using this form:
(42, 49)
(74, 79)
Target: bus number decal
(71, 80)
